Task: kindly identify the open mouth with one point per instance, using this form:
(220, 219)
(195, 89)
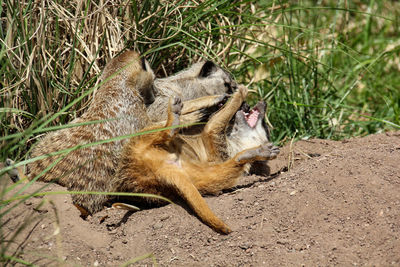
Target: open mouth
(251, 116)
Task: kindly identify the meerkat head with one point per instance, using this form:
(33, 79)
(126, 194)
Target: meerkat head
(216, 79)
(201, 79)
(249, 128)
(133, 72)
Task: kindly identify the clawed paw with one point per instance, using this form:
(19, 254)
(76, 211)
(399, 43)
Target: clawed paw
(176, 108)
(243, 91)
(222, 100)
(177, 105)
(263, 152)
(269, 151)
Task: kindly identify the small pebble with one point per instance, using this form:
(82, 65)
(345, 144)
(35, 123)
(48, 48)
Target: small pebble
(157, 226)
(164, 217)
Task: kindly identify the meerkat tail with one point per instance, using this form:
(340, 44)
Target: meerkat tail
(193, 198)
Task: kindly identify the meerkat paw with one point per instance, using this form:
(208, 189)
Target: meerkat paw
(243, 91)
(176, 106)
(176, 109)
(220, 101)
(274, 150)
(263, 152)
(268, 151)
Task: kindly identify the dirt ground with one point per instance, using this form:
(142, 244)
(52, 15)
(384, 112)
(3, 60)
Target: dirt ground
(339, 204)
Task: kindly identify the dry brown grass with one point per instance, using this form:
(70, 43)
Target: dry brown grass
(54, 51)
(296, 57)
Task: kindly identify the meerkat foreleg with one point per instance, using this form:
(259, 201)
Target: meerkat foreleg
(216, 177)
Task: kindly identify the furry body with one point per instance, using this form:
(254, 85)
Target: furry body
(168, 164)
(90, 169)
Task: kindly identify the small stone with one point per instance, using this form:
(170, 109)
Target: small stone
(157, 226)
(113, 232)
(282, 242)
(245, 246)
(293, 192)
(96, 263)
(164, 217)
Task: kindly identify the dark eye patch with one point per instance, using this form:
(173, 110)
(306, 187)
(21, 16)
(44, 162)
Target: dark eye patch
(207, 69)
(229, 86)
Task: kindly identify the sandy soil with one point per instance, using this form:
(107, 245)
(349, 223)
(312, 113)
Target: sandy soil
(339, 204)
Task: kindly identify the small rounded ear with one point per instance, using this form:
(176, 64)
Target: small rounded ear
(262, 106)
(143, 63)
(146, 66)
(208, 68)
(266, 128)
(245, 107)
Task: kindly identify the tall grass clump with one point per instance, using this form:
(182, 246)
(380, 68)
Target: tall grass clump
(327, 69)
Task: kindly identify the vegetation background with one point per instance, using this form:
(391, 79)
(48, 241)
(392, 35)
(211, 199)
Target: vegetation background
(327, 69)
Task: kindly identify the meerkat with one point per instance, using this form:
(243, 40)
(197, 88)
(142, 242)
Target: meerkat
(122, 101)
(200, 86)
(170, 164)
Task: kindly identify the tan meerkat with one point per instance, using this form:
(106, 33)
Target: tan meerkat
(169, 164)
(122, 100)
(119, 101)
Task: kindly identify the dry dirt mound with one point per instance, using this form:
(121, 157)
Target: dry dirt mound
(338, 205)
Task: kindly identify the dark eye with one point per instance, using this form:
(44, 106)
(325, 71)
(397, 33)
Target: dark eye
(229, 87)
